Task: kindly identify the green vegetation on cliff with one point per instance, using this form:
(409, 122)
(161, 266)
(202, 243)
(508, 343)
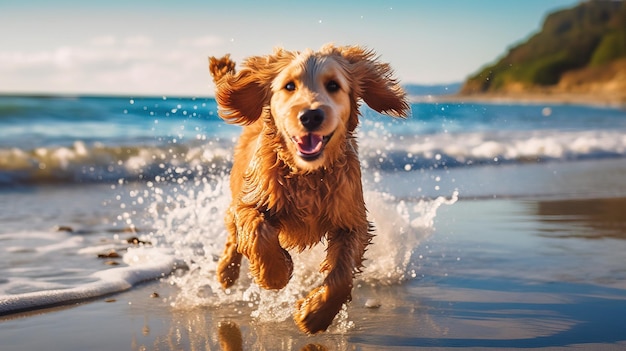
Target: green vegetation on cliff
(592, 34)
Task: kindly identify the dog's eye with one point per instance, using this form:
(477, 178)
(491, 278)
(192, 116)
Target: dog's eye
(291, 86)
(332, 86)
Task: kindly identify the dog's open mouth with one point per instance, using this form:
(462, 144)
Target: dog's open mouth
(310, 146)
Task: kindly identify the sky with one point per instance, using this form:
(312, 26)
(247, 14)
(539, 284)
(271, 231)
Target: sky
(158, 47)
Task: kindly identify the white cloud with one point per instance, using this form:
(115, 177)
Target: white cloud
(106, 64)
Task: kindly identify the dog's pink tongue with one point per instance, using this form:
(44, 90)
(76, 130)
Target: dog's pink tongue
(310, 144)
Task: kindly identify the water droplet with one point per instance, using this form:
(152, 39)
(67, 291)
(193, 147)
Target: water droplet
(372, 303)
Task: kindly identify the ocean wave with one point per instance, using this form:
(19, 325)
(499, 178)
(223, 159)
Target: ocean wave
(83, 163)
(97, 163)
(490, 148)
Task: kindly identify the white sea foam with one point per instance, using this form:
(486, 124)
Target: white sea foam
(143, 265)
(478, 148)
(48, 268)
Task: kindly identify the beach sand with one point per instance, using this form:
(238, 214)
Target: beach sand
(515, 273)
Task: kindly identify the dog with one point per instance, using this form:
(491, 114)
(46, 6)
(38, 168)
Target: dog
(296, 177)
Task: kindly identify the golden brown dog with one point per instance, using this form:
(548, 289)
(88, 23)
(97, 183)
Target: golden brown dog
(296, 177)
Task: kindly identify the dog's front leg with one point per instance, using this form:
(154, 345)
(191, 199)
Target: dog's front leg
(270, 264)
(343, 258)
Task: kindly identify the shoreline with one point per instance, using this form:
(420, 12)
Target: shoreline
(538, 98)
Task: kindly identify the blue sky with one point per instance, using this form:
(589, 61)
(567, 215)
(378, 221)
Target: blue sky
(161, 47)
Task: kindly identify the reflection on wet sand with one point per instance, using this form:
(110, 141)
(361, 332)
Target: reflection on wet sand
(230, 336)
(583, 218)
(203, 329)
(231, 340)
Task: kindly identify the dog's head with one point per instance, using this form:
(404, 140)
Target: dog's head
(312, 98)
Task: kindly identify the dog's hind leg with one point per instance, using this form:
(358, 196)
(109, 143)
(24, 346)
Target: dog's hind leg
(230, 263)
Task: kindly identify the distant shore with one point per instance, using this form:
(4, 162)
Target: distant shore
(617, 100)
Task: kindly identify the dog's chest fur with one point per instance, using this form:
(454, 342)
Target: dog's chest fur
(304, 219)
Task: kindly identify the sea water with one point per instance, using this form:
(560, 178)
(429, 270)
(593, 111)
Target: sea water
(80, 176)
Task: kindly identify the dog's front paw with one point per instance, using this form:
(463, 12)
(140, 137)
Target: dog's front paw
(272, 270)
(316, 312)
(228, 271)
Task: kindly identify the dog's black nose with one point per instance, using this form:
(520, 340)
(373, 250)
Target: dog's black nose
(312, 119)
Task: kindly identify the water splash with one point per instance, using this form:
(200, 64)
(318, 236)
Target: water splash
(398, 221)
(189, 219)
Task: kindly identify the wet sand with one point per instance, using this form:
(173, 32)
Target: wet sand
(496, 274)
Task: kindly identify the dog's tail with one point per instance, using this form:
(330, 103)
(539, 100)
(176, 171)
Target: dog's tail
(219, 67)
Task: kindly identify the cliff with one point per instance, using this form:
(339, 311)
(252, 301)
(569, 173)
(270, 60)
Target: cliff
(579, 51)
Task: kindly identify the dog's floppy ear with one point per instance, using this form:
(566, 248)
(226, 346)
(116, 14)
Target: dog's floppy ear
(219, 67)
(374, 82)
(241, 96)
